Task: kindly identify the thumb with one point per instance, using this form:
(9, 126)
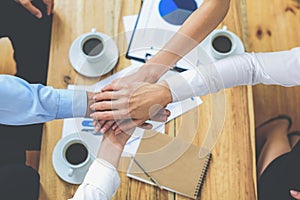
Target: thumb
(295, 194)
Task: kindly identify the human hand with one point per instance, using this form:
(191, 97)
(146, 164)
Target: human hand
(90, 101)
(34, 10)
(126, 124)
(119, 140)
(295, 194)
(137, 101)
(149, 72)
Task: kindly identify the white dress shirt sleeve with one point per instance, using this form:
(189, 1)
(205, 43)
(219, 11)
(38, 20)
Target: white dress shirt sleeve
(23, 103)
(278, 68)
(101, 182)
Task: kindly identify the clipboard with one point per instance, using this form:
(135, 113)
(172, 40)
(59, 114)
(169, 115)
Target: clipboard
(157, 22)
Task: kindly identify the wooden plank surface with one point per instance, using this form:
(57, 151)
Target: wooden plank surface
(274, 25)
(231, 175)
(7, 63)
(236, 128)
(71, 19)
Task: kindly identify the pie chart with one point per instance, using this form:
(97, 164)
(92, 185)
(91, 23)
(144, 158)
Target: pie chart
(175, 12)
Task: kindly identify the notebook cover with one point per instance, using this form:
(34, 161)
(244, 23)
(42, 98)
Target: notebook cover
(174, 163)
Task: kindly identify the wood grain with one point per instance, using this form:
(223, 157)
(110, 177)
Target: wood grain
(7, 62)
(232, 171)
(274, 26)
(235, 133)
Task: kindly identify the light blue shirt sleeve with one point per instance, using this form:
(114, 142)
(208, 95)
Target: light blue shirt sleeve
(23, 103)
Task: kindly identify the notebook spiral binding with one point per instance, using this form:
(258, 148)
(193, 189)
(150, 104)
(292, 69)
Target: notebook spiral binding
(202, 177)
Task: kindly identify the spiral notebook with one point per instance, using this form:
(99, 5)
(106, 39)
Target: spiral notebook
(169, 163)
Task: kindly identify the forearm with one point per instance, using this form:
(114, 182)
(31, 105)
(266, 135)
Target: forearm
(102, 179)
(279, 68)
(110, 152)
(90, 101)
(112, 146)
(35, 103)
(193, 31)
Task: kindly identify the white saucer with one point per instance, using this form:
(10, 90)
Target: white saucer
(205, 45)
(62, 169)
(97, 69)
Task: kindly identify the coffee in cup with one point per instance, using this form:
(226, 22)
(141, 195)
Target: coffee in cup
(92, 46)
(223, 43)
(75, 154)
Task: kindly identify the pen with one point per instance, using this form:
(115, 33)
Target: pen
(148, 56)
(87, 123)
(177, 69)
(147, 174)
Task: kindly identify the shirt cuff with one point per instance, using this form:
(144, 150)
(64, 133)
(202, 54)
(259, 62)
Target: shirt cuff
(103, 176)
(185, 85)
(72, 103)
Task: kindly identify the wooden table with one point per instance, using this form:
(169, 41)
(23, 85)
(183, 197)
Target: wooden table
(232, 173)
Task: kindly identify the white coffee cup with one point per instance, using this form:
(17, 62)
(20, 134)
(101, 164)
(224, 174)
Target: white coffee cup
(93, 46)
(75, 155)
(222, 43)
(93, 54)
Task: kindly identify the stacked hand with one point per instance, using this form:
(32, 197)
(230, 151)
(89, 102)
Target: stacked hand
(127, 103)
(34, 10)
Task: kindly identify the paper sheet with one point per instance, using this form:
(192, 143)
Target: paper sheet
(85, 124)
(153, 30)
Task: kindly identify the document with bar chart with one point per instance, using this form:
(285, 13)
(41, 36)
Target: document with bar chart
(157, 22)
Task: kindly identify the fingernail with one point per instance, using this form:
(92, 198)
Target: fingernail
(294, 193)
(118, 132)
(103, 130)
(92, 107)
(96, 129)
(114, 127)
(39, 15)
(92, 115)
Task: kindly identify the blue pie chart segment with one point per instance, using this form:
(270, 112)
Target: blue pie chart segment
(176, 12)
